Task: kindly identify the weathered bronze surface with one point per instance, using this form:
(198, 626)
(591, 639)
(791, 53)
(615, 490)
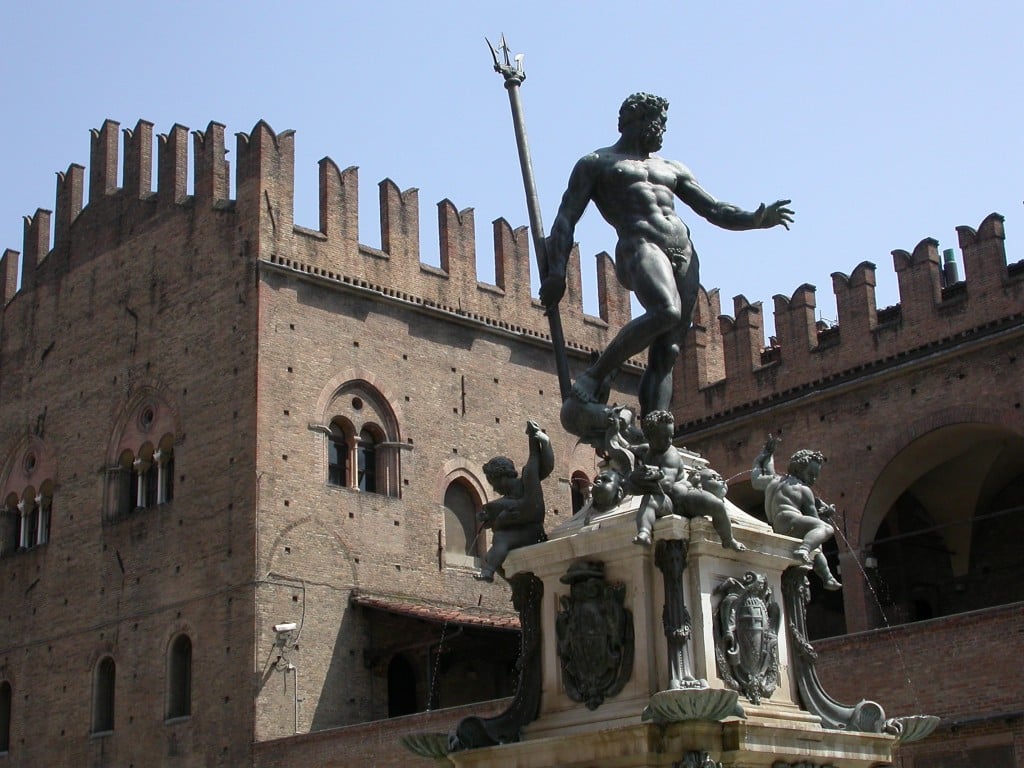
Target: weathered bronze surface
(747, 623)
(472, 732)
(595, 635)
(793, 509)
(635, 190)
(517, 518)
(670, 557)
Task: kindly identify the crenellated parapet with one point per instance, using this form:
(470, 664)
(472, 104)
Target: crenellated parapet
(262, 216)
(737, 370)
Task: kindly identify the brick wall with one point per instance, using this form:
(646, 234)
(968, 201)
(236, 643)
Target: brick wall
(242, 327)
(142, 296)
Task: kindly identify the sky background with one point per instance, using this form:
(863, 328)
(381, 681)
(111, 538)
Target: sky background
(884, 122)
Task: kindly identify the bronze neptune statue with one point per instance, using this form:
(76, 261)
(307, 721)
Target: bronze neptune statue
(635, 190)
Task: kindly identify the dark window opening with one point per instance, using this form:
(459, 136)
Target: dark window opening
(460, 523)
(401, 687)
(167, 478)
(5, 716)
(179, 678)
(103, 696)
(152, 483)
(366, 461)
(337, 458)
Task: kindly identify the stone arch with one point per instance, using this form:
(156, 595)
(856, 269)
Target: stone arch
(892, 457)
(27, 487)
(939, 516)
(132, 426)
(339, 381)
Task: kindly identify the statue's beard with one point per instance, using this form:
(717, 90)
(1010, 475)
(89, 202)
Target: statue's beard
(651, 138)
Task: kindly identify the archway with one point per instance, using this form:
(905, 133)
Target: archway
(939, 531)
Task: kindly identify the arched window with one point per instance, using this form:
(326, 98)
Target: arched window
(11, 525)
(44, 511)
(145, 471)
(363, 442)
(5, 716)
(33, 514)
(103, 696)
(140, 472)
(339, 453)
(461, 527)
(126, 487)
(179, 678)
(366, 460)
(164, 460)
(26, 490)
(29, 519)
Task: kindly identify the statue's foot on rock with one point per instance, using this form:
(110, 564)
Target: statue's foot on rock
(643, 538)
(487, 576)
(803, 555)
(832, 584)
(733, 544)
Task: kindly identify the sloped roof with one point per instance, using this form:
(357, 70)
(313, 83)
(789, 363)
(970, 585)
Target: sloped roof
(426, 610)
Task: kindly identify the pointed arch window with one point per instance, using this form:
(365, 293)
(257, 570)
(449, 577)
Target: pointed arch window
(140, 472)
(362, 441)
(27, 498)
(32, 515)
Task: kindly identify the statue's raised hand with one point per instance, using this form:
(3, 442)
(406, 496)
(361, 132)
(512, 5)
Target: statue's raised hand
(773, 215)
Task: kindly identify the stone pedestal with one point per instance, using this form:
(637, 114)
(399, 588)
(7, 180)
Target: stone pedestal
(773, 729)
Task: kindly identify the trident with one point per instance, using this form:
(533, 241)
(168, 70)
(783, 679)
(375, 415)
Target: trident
(514, 76)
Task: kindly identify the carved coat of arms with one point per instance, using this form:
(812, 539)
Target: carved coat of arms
(595, 635)
(746, 626)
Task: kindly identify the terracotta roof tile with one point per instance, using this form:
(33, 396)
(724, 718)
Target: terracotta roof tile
(438, 612)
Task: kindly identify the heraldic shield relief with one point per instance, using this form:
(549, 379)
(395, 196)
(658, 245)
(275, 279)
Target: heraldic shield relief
(595, 635)
(747, 624)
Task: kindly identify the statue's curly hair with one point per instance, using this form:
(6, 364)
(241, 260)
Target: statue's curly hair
(656, 417)
(800, 460)
(640, 106)
(500, 466)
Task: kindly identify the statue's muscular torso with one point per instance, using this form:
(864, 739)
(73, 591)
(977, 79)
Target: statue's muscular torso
(637, 197)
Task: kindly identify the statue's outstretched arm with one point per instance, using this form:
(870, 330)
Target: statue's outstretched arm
(542, 456)
(763, 471)
(727, 215)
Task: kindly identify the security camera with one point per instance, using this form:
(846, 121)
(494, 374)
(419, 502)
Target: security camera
(290, 626)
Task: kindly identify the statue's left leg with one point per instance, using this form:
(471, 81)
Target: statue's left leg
(495, 556)
(656, 382)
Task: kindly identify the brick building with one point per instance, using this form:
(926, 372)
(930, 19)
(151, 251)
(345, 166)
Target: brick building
(216, 424)
(918, 408)
(241, 459)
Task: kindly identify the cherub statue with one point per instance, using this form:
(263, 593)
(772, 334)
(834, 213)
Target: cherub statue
(668, 488)
(517, 518)
(606, 492)
(792, 507)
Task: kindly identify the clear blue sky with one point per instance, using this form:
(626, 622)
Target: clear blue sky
(884, 122)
